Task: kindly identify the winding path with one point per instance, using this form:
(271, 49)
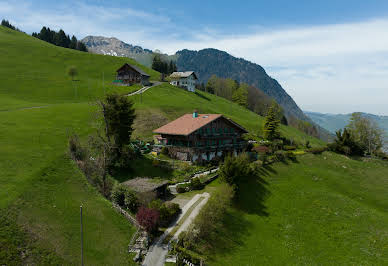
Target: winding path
(157, 252)
(144, 89)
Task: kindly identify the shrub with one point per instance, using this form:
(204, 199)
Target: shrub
(289, 148)
(124, 197)
(148, 219)
(307, 145)
(168, 212)
(280, 156)
(130, 201)
(317, 150)
(118, 194)
(77, 152)
(210, 217)
(195, 184)
(290, 155)
(164, 151)
(382, 155)
(182, 188)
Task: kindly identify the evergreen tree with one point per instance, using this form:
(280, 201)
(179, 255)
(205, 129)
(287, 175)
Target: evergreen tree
(6, 23)
(73, 43)
(119, 114)
(81, 47)
(271, 124)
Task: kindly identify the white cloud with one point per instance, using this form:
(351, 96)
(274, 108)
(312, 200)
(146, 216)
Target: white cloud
(326, 68)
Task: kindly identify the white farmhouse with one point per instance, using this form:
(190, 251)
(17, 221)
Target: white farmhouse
(186, 79)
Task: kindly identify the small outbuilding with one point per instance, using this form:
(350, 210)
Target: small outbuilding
(146, 185)
(130, 74)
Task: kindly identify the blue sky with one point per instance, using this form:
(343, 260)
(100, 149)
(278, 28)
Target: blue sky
(330, 56)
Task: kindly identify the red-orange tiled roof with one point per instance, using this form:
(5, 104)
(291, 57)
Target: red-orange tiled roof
(187, 124)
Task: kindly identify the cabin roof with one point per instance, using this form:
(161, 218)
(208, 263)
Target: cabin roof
(185, 74)
(141, 184)
(137, 69)
(187, 124)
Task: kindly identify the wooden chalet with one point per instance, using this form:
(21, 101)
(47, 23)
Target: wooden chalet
(201, 137)
(130, 74)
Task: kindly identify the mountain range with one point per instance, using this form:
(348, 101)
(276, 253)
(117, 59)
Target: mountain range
(205, 63)
(334, 122)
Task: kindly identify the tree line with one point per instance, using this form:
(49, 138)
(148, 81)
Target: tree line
(60, 38)
(6, 23)
(241, 93)
(163, 66)
(362, 136)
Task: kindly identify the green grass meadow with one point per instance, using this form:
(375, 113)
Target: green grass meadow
(323, 210)
(319, 212)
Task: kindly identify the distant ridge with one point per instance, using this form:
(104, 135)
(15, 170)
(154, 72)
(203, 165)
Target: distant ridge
(205, 63)
(114, 47)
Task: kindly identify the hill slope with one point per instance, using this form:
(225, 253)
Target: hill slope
(323, 210)
(41, 188)
(205, 62)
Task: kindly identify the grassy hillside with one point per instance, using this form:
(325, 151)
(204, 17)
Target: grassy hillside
(34, 71)
(41, 189)
(165, 102)
(324, 210)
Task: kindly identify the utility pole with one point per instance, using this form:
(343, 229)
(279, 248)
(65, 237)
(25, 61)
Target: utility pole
(82, 238)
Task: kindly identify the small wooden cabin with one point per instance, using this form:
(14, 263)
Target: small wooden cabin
(130, 74)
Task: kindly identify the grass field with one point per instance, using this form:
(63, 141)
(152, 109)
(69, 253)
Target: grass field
(323, 210)
(41, 189)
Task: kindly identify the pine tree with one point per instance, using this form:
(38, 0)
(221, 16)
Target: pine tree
(73, 43)
(271, 124)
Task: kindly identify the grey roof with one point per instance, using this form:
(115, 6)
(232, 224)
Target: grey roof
(139, 70)
(141, 184)
(183, 74)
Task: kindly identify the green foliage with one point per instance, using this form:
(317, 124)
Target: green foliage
(119, 115)
(240, 95)
(72, 72)
(77, 151)
(167, 211)
(345, 143)
(60, 39)
(210, 216)
(162, 66)
(366, 133)
(124, 197)
(280, 156)
(271, 124)
(182, 188)
(6, 23)
(164, 150)
(236, 170)
(317, 150)
(307, 144)
(195, 184)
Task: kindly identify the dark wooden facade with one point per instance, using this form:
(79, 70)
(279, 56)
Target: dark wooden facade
(129, 74)
(213, 140)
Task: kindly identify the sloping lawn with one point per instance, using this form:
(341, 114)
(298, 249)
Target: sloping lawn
(324, 210)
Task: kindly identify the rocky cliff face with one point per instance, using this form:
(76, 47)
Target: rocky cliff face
(114, 47)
